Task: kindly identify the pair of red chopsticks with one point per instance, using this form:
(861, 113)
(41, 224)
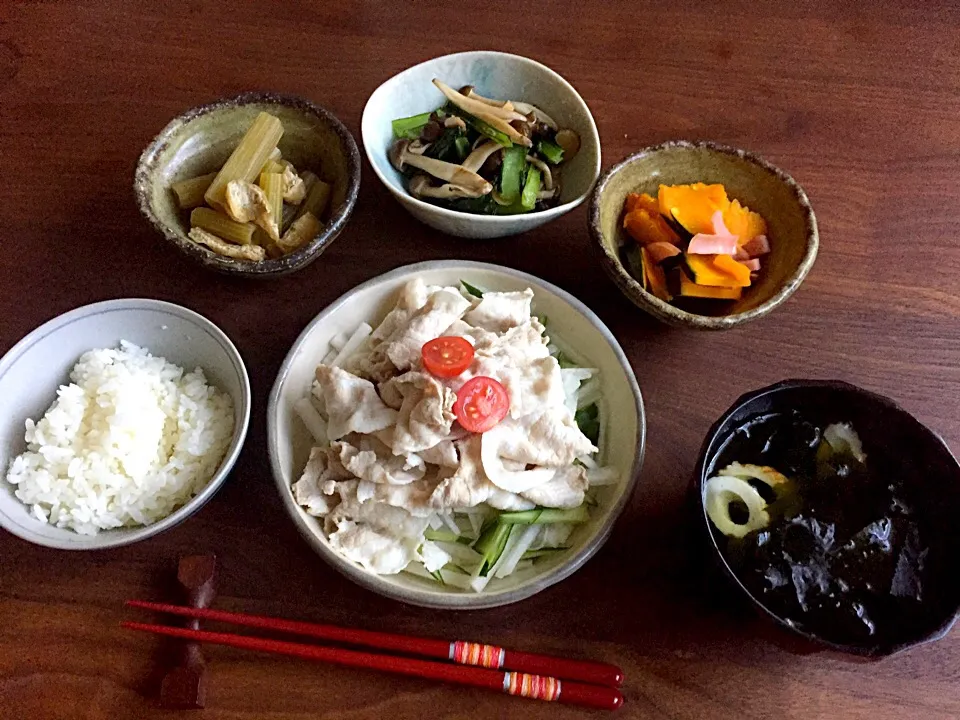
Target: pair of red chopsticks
(541, 677)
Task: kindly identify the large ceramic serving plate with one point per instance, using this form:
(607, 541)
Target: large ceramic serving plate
(570, 323)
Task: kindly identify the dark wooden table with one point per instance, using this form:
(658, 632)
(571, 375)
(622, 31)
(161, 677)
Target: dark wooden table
(863, 107)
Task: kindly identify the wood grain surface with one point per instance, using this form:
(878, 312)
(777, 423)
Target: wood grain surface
(862, 106)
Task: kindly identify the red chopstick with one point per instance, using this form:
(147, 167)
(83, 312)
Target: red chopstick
(465, 653)
(536, 687)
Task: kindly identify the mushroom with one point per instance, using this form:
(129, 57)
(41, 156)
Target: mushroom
(400, 156)
(420, 186)
(418, 147)
(454, 121)
(540, 115)
(468, 91)
(547, 194)
(496, 117)
(570, 142)
(479, 155)
(544, 169)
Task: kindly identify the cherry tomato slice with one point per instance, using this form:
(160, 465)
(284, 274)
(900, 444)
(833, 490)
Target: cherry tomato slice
(447, 357)
(481, 403)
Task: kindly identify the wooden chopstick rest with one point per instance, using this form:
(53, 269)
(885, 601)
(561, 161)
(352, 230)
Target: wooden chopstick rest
(184, 686)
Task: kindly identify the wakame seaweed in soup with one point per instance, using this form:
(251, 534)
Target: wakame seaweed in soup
(834, 543)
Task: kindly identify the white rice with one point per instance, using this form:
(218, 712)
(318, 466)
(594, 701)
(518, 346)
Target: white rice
(128, 441)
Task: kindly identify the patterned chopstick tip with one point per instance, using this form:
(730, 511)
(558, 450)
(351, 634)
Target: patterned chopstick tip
(536, 687)
(469, 653)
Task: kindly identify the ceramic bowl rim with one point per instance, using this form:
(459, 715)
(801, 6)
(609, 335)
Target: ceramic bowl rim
(491, 220)
(711, 439)
(455, 601)
(126, 536)
(671, 314)
(149, 162)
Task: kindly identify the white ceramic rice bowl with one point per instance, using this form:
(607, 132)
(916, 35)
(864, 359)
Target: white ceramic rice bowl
(497, 75)
(32, 370)
(622, 442)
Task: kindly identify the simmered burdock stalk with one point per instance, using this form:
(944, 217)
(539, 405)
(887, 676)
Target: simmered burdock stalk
(318, 196)
(246, 162)
(223, 227)
(190, 192)
(302, 231)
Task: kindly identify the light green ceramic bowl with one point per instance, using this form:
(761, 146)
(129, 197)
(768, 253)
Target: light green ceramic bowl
(748, 178)
(200, 140)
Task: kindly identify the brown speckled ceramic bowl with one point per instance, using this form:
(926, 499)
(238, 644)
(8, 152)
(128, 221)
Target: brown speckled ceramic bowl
(200, 140)
(751, 180)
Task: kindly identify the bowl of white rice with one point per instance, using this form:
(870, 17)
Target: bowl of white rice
(120, 419)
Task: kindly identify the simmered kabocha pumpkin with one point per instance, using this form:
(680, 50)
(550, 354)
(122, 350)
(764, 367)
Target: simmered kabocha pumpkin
(694, 242)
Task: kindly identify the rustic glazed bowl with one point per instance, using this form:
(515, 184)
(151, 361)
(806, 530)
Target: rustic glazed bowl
(748, 178)
(35, 367)
(497, 75)
(882, 424)
(572, 325)
(200, 140)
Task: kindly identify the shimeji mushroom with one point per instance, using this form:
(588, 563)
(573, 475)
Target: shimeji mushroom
(570, 142)
(540, 115)
(400, 156)
(479, 155)
(545, 174)
(496, 117)
(470, 92)
(420, 186)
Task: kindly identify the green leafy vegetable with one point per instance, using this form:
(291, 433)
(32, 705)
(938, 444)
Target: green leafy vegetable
(491, 545)
(544, 516)
(438, 577)
(588, 420)
(410, 127)
(551, 152)
(445, 147)
(531, 187)
(484, 129)
(514, 160)
(543, 552)
(440, 535)
(472, 289)
(462, 145)
(564, 361)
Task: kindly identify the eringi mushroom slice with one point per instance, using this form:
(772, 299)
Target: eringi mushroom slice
(455, 174)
